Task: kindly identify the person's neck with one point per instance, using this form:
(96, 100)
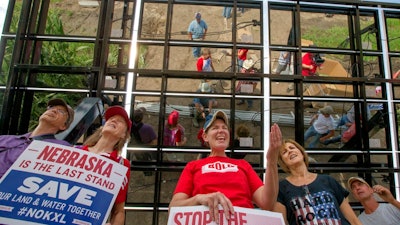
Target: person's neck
(370, 205)
(103, 145)
(42, 130)
(217, 153)
(300, 171)
(301, 175)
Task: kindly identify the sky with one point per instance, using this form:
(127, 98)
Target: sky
(3, 10)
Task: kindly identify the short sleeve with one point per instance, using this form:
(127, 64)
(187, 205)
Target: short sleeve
(340, 192)
(205, 25)
(254, 180)
(178, 136)
(121, 197)
(185, 182)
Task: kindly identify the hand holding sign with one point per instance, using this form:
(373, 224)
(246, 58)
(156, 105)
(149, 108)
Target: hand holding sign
(213, 200)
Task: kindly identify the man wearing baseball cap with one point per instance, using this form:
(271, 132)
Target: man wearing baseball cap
(322, 127)
(142, 133)
(57, 118)
(375, 213)
(197, 31)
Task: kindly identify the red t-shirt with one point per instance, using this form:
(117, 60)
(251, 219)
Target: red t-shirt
(204, 65)
(307, 59)
(121, 197)
(242, 54)
(233, 177)
(178, 136)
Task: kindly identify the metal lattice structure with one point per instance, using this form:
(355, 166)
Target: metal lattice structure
(137, 54)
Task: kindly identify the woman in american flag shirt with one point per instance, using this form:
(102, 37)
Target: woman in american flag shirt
(307, 198)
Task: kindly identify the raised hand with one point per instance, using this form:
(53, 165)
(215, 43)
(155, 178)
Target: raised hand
(383, 192)
(275, 143)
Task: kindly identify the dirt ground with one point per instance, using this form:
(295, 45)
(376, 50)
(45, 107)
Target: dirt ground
(83, 21)
(78, 20)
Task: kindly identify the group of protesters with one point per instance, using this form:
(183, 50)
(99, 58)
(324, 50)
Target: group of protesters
(235, 185)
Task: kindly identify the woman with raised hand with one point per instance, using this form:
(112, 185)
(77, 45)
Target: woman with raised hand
(310, 198)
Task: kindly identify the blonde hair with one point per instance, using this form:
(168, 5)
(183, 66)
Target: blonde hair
(205, 51)
(302, 150)
(95, 137)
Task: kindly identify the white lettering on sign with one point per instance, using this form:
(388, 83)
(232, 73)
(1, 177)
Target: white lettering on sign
(45, 215)
(58, 190)
(219, 167)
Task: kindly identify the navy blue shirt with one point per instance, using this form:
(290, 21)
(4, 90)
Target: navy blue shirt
(316, 203)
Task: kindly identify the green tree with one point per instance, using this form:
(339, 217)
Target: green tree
(54, 53)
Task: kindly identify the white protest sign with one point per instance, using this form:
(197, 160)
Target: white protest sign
(55, 184)
(200, 215)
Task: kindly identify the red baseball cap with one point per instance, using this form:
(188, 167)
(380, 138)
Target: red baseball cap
(173, 118)
(118, 110)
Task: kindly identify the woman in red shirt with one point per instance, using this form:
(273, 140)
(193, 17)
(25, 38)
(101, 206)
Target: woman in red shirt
(220, 180)
(109, 141)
